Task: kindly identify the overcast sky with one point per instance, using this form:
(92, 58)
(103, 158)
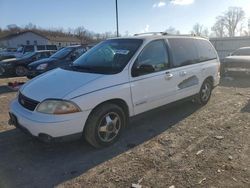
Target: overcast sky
(99, 15)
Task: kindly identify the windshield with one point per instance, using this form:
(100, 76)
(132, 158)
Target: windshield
(62, 53)
(20, 49)
(108, 57)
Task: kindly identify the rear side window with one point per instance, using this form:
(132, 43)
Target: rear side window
(51, 47)
(184, 51)
(78, 52)
(206, 51)
(40, 47)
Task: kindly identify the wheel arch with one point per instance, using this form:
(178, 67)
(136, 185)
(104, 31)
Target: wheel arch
(119, 102)
(210, 79)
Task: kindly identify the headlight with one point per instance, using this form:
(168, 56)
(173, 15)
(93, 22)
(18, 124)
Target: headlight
(42, 66)
(53, 106)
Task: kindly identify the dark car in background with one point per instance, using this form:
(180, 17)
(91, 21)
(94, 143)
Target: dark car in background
(238, 62)
(24, 49)
(63, 57)
(7, 53)
(19, 66)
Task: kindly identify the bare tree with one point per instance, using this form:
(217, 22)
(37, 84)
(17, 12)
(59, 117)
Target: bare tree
(172, 30)
(197, 29)
(219, 27)
(200, 30)
(80, 32)
(30, 26)
(232, 19)
(13, 28)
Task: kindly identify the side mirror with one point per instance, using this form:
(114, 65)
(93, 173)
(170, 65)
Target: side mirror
(143, 69)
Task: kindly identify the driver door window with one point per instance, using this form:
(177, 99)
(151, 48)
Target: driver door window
(155, 56)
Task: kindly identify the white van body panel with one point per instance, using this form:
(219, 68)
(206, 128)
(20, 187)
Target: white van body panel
(88, 90)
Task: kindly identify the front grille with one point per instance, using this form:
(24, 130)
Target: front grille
(27, 103)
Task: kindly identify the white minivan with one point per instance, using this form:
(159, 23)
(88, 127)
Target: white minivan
(116, 79)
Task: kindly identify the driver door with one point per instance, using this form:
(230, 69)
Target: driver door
(156, 86)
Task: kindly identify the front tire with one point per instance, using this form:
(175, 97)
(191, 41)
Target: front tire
(205, 92)
(105, 125)
(21, 71)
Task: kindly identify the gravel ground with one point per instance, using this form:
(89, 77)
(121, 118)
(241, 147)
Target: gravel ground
(181, 145)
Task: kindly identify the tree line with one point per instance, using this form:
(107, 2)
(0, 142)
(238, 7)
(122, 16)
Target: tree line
(230, 23)
(84, 35)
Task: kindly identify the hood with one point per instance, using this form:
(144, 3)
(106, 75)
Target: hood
(237, 62)
(56, 84)
(237, 59)
(41, 61)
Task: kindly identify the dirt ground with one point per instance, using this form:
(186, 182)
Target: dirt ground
(179, 145)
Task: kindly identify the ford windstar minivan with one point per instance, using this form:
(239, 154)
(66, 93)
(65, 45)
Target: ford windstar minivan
(113, 81)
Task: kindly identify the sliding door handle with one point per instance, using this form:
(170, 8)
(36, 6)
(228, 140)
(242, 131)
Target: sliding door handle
(168, 76)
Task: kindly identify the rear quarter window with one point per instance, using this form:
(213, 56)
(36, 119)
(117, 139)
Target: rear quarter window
(205, 50)
(184, 51)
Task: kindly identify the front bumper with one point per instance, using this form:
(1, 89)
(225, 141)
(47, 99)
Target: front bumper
(38, 124)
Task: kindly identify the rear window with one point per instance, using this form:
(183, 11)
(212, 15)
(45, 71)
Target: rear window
(205, 49)
(184, 51)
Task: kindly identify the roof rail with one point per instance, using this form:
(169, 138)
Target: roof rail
(151, 33)
(165, 33)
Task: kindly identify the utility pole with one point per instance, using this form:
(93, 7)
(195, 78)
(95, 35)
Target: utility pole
(117, 24)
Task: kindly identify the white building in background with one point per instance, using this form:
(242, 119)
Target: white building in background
(34, 38)
(227, 45)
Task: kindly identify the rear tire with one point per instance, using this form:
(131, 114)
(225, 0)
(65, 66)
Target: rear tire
(105, 125)
(205, 92)
(21, 70)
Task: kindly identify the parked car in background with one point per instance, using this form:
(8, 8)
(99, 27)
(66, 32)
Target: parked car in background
(117, 79)
(7, 53)
(237, 63)
(33, 48)
(61, 58)
(19, 66)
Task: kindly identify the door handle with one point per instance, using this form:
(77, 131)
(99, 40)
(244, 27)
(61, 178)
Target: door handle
(168, 76)
(183, 73)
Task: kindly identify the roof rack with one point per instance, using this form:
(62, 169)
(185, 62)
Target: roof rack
(169, 34)
(151, 33)
(165, 33)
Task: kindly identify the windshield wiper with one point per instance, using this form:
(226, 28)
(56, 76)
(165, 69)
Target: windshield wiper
(79, 67)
